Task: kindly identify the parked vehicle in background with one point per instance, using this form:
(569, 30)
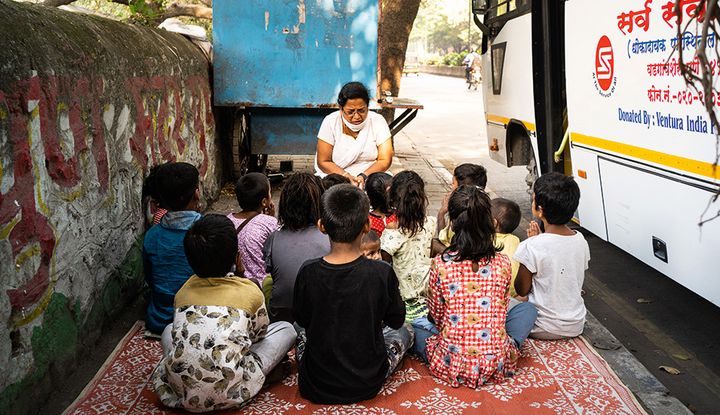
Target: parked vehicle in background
(412, 65)
(279, 69)
(636, 138)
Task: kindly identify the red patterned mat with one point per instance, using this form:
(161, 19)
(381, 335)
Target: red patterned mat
(560, 377)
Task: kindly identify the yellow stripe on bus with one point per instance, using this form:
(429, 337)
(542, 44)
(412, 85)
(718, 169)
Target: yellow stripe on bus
(675, 162)
(505, 120)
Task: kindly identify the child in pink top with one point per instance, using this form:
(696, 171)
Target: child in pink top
(254, 223)
(468, 300)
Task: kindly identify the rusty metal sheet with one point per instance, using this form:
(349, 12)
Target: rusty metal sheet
(292, 53)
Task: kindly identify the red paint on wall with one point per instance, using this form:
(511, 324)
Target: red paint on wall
(33, 227)
(82, 99)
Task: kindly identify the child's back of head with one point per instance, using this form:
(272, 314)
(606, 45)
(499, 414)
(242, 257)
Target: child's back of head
(211, 246)
(470, 174)
(558, 196)
(150, 186)
(471, 221)
(333, 179)
(407, 197)
(176, 184)
(344, 212)
(250, 190)
(376, 188)
(299, 205)
(506, 213)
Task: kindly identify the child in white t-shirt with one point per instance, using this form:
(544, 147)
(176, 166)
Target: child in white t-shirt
(553, 263)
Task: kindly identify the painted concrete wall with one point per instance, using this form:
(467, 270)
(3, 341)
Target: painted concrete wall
(445, 70)
(87, 106)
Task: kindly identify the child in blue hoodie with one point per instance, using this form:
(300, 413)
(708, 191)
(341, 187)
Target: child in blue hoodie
(166, 267)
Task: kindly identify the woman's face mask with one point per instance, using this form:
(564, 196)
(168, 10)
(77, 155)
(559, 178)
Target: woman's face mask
(355, 114)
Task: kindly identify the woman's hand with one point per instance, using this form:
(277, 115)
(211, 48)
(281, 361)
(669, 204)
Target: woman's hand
(360, 182)
(353, 179)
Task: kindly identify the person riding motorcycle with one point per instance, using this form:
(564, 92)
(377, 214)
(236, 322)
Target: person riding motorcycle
(473, 69)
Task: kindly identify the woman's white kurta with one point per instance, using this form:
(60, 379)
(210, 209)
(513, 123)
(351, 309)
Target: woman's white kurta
(354, 155)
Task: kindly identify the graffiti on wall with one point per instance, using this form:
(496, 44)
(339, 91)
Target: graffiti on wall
(66, 144)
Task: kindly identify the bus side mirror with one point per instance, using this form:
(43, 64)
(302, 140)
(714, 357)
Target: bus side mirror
(479, 6)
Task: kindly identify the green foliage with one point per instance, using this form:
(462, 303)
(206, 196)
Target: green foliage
(145, 12)
(433, 60)
(118, 11)
(140, 7)
(454, 58)
(441, 33)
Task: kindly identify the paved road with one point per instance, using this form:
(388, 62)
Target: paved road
(451, 129)
(675, 328)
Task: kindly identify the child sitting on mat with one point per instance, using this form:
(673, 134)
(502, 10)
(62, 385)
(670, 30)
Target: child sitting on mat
(466, 173)
(166, 267)
(381, 214)
(151, 198)
(553, 263)
(254, 223)
(506, 215)
(468, 342)
(370, 246)
(297, 241)
(342, 302)
(332, 179)
(407, 242)
(219, 348)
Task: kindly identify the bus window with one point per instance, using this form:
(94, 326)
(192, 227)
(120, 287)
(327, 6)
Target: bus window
(497, 53)
(506, 6)
(502, 10)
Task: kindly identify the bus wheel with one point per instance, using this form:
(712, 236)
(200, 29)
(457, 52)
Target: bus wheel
(532, 174)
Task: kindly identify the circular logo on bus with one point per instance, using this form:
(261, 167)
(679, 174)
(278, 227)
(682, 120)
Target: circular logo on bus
(604, 64)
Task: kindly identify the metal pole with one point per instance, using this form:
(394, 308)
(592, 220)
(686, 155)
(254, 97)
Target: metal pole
(469, 22)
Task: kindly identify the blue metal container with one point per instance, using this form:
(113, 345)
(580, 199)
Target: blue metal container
(292, 53)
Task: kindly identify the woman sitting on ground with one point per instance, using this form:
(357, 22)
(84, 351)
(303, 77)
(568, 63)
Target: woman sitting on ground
(353, 142)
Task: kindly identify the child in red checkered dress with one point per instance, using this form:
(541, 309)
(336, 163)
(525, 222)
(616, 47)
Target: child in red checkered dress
(466, 341)
(381, 214)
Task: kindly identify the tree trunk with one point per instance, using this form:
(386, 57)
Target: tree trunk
(396, 22)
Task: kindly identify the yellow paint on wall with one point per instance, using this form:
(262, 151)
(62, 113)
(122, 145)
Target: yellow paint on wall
(5, 230)
(34, 115)
(24, 320)
(698, 167)
(72, 196)
(26, 254)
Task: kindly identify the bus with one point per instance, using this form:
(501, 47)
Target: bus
(593, 89)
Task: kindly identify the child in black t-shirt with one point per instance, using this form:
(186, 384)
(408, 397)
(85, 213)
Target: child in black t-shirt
(341, 302)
